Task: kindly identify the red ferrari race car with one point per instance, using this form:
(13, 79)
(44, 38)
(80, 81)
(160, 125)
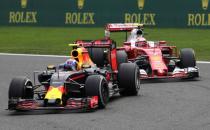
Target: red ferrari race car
(156, 59)
(79, 83)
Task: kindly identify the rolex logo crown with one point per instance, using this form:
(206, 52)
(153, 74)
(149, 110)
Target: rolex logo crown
(24, 3)
(205, 4)
(80, 3)
(141, 4)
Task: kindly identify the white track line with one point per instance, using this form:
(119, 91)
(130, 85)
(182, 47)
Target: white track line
(35, 55)
(32, 55)
(203, 62)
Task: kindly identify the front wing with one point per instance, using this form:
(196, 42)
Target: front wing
(86, 104)
(189, 72)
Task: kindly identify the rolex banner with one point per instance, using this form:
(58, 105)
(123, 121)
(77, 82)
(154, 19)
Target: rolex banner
(96, 13)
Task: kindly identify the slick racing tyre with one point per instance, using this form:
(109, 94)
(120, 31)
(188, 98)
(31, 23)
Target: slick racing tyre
(121, 57)
(96, 85)
(128, 79)
(97, 56)
(21, 87)
(187, 58)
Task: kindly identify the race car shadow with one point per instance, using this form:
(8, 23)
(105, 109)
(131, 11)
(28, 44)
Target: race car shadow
(45, 112)
(169, 80)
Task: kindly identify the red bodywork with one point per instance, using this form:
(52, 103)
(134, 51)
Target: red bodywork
(156, 59)
(158, 54)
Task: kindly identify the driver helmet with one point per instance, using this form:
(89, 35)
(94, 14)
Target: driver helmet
(139, 32)
(70, 65)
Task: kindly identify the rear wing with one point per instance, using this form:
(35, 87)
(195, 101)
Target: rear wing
(120, 27)
(94, 43)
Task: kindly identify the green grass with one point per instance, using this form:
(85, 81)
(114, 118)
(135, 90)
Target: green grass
(54, 40)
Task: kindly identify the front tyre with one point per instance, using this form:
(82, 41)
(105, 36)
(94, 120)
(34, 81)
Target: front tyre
(187, 58)
(128, 79)
(96, 85)
(21, 87)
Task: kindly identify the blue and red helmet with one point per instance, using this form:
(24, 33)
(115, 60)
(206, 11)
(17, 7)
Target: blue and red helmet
(70, 64)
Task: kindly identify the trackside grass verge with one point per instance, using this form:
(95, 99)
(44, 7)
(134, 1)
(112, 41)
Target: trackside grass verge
(54, 40)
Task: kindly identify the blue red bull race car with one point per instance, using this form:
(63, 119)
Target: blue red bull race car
(86, 81)
(155, 59)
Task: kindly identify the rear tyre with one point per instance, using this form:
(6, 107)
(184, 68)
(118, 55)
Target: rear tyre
(21, 87)
(121, 57)
(128, 79)
(96, 85)
(97, 56)
(187, 58)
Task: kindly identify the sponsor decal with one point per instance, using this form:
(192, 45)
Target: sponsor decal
(80, 18)
(147, 18)
(200, 19)
(23, 3)
(141, 4)
(23, 17)
(80, 4)
(205, 4)
(143, 18)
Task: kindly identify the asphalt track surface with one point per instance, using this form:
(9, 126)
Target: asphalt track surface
(161, 104)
